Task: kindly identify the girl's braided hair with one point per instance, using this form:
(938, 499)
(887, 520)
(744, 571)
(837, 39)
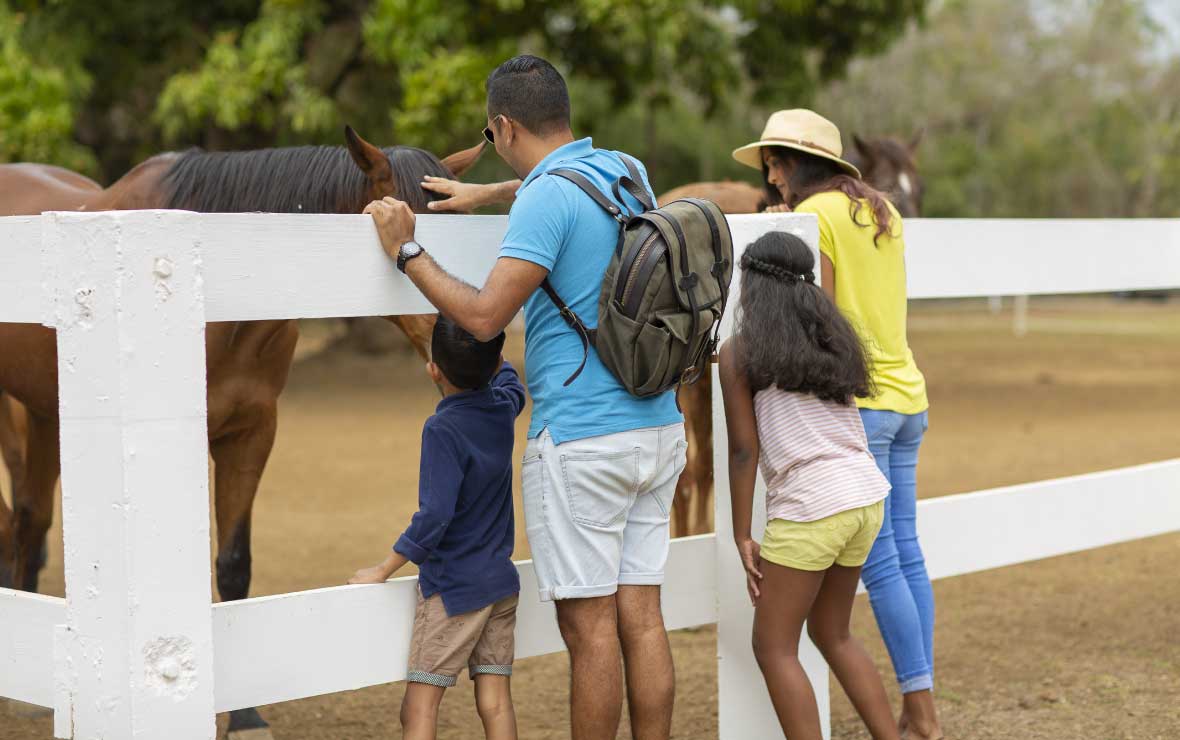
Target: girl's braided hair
(778, 272)
(789, 333)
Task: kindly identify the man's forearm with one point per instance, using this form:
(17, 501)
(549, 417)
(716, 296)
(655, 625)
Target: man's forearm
(457, 300)
(505, 192)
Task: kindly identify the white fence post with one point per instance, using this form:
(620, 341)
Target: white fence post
(130, 318)
(744, 708)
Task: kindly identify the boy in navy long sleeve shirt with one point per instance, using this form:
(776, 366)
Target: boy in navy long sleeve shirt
(462, 536)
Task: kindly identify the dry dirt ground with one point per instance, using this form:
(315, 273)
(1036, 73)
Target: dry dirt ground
(1082, 646)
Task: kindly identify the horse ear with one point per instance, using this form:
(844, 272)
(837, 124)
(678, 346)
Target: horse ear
(461, 161)
(862, 146)
(369, 158)
(916, 139)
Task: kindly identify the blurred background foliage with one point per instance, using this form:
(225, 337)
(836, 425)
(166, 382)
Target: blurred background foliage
(1029, 107)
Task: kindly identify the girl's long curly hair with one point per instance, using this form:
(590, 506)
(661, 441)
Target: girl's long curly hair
(789, 333)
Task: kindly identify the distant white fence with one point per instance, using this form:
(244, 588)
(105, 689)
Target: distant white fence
(137, 644)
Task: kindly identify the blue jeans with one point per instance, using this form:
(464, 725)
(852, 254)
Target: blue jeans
(895, 573)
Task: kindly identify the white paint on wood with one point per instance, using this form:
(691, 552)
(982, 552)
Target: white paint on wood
(963, 258)
(1030, 521)
(135, 512)
(267, 266)
(279, 648)
(20, 269)
(271, 266)
(26, 645)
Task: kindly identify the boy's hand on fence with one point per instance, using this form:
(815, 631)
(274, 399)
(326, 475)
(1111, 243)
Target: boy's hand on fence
(751, 553)
(395, 223)
(376, 574)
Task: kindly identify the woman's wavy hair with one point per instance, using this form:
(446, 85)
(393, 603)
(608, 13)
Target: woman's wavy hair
(811, 175)
(789, 333)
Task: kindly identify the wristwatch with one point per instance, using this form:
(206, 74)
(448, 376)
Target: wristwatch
(409, 251)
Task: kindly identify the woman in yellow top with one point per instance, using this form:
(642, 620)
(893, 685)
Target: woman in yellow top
(862, 260)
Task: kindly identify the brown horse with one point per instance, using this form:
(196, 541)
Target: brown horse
(888, 165)
(247, 362)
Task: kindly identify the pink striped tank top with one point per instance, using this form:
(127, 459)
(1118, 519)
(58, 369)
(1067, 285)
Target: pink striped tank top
(814, 457)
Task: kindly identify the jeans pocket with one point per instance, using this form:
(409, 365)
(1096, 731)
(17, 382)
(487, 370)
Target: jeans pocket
(600, 486)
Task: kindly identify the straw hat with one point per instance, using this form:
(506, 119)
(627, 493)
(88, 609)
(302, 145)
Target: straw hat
(800, 129)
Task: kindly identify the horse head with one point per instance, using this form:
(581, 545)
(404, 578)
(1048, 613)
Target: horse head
(888, 165)
(397, 171)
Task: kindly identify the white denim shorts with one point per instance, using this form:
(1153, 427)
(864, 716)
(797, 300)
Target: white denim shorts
(596, 510)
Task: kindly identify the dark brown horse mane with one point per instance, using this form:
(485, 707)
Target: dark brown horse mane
(303, 179)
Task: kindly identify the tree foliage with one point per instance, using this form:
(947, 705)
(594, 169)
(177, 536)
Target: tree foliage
(135, 77)
(1047, 108)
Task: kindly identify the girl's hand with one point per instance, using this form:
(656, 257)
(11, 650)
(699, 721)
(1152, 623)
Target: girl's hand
(779, 208)
(751, 553)
(376, 574)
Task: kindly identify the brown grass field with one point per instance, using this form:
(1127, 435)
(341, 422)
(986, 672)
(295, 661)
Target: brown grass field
(1082, 646)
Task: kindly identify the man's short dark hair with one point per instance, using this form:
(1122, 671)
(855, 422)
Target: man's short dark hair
(467, 363)
(530, 91)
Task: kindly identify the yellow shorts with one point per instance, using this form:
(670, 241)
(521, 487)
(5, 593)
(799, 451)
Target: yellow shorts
(841, 539)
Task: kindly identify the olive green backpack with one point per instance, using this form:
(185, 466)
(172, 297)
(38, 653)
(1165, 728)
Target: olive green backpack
(659, 312)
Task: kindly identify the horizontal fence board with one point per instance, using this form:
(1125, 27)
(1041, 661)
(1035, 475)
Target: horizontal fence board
(274, 266)
(290, 646)
(26, 645)
(962, 258)
(21, 295)
(978, 531)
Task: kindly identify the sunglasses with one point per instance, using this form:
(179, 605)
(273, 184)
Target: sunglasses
(489, 134)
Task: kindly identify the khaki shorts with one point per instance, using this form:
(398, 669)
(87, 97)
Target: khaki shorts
(841, 539)
(482, 640)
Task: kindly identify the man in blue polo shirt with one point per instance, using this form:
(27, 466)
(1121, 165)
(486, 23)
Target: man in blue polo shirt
(601, 465)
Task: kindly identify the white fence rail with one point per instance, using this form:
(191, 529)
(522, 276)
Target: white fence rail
(138, 643)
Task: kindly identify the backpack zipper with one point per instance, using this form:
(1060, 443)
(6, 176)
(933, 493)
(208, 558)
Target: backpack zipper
(635, 267)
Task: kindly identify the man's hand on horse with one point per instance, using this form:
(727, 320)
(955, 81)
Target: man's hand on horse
(465, 197)
(395, 223)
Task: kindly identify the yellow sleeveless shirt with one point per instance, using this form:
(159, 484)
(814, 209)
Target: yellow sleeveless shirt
(871, 293)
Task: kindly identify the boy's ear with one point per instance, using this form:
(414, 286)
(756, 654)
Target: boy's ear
(434, 372)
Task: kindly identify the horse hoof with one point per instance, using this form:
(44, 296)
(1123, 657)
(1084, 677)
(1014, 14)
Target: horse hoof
(20, 709)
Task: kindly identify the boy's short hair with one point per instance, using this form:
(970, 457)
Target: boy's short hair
(467, 363)
(530, 91)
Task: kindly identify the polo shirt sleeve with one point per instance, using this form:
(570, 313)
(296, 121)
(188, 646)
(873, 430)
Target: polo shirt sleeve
(439, 480)
(538, 223)
(507, 383)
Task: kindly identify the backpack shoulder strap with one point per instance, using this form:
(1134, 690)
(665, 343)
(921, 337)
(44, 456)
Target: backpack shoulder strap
(584, 334)
(633, 183)
(588, 188)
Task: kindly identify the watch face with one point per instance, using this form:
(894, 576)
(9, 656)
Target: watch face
(411, 249)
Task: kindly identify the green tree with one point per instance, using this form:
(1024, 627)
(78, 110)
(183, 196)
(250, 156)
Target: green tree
(1050, 108)
(244, 73)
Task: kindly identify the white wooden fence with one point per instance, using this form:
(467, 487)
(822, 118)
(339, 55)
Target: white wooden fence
(137, 648)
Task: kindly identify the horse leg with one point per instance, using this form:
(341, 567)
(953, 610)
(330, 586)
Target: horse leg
(13, 430)
(32, 501)
(239, 459)
(702, 442)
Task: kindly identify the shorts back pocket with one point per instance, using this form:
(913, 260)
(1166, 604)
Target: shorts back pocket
(600, 486)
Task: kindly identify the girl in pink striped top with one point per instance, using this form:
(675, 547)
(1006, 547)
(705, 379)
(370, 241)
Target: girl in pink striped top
(789, 377)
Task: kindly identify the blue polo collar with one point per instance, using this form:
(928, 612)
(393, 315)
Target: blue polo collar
(560, 155)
